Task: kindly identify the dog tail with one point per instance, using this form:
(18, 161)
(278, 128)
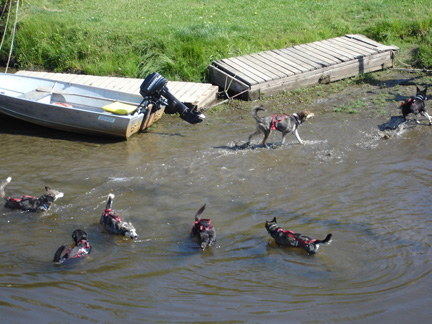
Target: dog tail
(255, 110)
(326, 240)
(3, 186)
(199, 212)
(110, 201)
(58, 253)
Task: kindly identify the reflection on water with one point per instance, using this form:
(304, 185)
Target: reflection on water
(372, 194)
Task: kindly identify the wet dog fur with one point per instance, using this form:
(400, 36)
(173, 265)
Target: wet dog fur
(203, 230)
(28, 203)
(416, 105)
(80, 249)
(113, 223)
(291, 239)
(282, 123)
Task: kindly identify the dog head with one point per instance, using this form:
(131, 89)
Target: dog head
(206, 234)
(304, 115)
(52, 195)
(311, 248)
(271, 226)
(415, 104)
(129, 230)
(79, 235)
(421, 93)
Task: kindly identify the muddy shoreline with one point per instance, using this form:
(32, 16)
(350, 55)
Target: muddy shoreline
(375, 95)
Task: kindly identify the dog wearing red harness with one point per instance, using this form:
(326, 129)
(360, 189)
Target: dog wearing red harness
(288, 238)
(75, 252)
(29, 203)
(416, 105)
(113, 223)
(283, 123)
(203, 229)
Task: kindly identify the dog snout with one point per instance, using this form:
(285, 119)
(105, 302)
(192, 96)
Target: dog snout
(132, 234)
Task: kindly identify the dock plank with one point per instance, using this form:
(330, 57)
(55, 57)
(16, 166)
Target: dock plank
(339, 48)
(301, 63)
(330, 53)
(196, 93)
(281, 68)
(278, 70)
(343, 42)
(242, 75)
(310, 50)
(263, 65)
(256, 65)
(251, 71)
(290, 64)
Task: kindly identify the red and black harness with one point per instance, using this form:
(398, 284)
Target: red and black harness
(111, 213)
(295, 236)
(412, 102)
(84, 249)
(17, 201)
(202, 225)
(276, 119)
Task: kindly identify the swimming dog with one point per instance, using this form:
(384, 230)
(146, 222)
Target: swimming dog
(80, 249)
(289, 238)
(282, 123)
(416, 105)
(204, 230)
(29, 203)
(113, 223)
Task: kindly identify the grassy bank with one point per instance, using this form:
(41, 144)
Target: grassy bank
(179, 38)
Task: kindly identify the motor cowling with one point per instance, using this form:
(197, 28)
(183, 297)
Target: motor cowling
(154, 85)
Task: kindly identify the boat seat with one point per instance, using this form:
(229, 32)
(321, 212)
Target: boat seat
(120, 108)
(35, 95)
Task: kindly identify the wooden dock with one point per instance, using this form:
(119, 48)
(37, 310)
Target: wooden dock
(267, 73)
(199, 95)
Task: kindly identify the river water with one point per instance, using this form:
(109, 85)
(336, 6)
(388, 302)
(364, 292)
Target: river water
(372, 194)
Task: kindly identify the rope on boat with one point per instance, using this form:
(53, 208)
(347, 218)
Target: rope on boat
(13, 35)
(7, 22)
(225, 91)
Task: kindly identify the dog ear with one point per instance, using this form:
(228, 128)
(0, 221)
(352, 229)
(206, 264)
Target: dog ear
(274, 220)
(417, 89)
(47, 188)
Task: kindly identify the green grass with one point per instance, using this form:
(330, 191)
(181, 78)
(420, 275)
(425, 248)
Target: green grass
(180, 38)
(352, 108)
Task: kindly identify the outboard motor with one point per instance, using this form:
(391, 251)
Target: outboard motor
(154, 86)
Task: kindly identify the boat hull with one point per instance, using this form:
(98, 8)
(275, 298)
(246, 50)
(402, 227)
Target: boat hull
(69, 107)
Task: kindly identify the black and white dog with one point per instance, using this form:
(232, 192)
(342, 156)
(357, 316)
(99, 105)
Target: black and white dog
(416, 105)
(203, 230)
(29, 203)
(113, 223)
(289, 238)
(282, 123)
(75, 252)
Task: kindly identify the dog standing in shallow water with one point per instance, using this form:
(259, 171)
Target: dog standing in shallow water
(29, 203)
(289, 238)
(204, 230)
(79, 250)
(282, 123)
(416, 105)
(113, 223)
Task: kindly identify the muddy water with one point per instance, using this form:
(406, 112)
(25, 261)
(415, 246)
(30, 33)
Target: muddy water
(372, 194)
